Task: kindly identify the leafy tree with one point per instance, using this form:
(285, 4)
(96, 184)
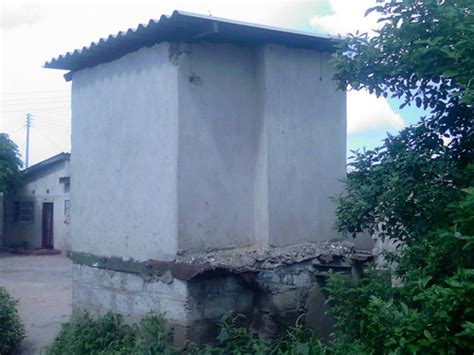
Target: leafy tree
(416, 188)
(432, 311)
(10, 163)
(424, 53)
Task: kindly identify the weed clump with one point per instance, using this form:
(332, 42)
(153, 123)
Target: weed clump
(12, 329)
(84, 334)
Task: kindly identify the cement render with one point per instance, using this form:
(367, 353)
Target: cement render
(124, 156)
(218, 128)
(186, 147)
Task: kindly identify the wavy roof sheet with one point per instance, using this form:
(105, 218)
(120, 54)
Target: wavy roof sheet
(182, 26)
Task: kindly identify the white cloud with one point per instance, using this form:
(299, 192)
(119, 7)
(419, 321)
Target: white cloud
(365, 111)
(15, 14)
(347, 17)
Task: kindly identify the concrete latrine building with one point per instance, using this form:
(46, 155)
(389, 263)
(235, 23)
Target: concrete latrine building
(205, 153)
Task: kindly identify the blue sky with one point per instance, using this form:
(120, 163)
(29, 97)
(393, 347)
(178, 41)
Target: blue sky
(35, 31)
(372, 138)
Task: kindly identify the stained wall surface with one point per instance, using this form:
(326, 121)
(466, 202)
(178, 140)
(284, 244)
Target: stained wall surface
(305, 145)
(218, 130)
(124, 139)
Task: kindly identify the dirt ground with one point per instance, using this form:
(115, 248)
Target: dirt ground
(42, 284)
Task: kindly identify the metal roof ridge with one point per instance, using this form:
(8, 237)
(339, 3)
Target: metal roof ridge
(115, 45)
(255, 25)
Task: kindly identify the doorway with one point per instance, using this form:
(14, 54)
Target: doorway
(48, 222)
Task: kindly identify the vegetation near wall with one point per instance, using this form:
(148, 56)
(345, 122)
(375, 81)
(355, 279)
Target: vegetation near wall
(432, 311)
(416, 188)
(12, 330)
(108, 335)
(10, 163)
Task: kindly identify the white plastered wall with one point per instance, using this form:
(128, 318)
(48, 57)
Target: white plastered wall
(124, 145)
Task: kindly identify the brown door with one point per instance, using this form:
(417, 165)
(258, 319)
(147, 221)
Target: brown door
(48, 241)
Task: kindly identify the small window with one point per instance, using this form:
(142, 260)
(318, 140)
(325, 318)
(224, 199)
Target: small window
(24, 211)
(66, 208)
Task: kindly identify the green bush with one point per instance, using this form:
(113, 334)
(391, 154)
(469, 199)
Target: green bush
(108, 335)
(12, 330)
(412, 188)
(432, 311)
(234, 338)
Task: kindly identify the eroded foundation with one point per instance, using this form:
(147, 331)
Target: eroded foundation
(271, 288)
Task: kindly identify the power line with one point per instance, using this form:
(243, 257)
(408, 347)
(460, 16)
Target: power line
(40, 109)
(14, 126)
(56, 127)
(19, 104)
(31, 92)
(64, 121)
(15, 131)
(34, 97)
(56, 117)
(55, 124)
(35, 102)
(53, 143)
(58, 121)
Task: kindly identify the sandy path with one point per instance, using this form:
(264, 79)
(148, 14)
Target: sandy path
(42, 284)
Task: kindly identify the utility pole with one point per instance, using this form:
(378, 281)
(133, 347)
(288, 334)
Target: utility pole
(28, 125)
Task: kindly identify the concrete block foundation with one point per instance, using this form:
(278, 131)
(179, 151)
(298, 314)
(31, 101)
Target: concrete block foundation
(271, 290)
(192, 308)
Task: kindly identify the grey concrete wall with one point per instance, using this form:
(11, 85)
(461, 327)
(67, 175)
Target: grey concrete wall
(124, 143)
(261, 147)
(305, 144)
(40, 188)
(196, 146)
(218, 129)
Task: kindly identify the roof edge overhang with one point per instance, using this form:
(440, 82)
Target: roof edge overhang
(46, 163)
(187, 27)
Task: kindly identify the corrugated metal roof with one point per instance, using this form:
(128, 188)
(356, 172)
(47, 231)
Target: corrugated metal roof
(183, 26)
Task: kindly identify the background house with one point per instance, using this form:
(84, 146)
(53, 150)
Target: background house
(36, 215)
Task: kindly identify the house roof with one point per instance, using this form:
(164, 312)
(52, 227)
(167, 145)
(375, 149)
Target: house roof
(46, 163)
(183, 26)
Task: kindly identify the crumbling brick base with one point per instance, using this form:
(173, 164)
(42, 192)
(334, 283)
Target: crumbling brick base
(192, 308)
(271, 299)
(273, 288)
